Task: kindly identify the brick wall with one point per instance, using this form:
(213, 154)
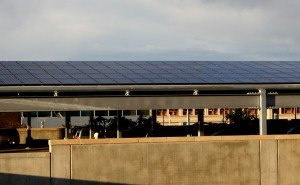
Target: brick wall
(10, 119)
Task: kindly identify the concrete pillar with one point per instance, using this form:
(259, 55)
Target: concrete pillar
(68, 122)
(200, 122)
(270, 114)
(180, 112)
(205, 111)
(29, 138)
(263, 112)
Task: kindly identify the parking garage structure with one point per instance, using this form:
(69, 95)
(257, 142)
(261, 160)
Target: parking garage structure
(27, 86)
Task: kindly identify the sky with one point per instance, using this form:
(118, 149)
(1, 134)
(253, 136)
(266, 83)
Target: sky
(133, 30)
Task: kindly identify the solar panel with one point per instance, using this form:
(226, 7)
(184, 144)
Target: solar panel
(147, 72)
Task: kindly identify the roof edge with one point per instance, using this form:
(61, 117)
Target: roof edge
(88, 88)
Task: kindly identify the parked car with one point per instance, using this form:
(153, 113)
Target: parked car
(9, 137)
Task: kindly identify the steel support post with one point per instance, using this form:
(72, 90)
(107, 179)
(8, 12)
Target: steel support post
(119, 115)
(154, 118)
(68, 122)
(263, 112)
(188, 120)
(91, 123)
(29, 138)
(200, 122)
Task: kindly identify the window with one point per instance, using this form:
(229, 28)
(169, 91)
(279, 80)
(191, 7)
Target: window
(101, 113)
(129, 112)
(44, 114)
(143, 112)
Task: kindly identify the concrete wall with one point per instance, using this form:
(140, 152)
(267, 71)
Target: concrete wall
(25, 168)
(192, 160)
(246, 160)
(42, 133)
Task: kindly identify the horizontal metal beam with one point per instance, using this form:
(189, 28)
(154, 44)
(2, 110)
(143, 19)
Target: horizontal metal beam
(283, 101)
(126, 103)
(149, 87)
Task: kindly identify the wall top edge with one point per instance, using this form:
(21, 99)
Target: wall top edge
(171, 139)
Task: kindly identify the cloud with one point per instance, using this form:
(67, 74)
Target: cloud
(149, 30)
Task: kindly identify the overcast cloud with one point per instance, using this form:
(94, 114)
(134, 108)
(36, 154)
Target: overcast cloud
(149, 30)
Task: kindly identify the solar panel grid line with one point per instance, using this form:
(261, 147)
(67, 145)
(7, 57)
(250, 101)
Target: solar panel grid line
(24, 76)
(67, 81)
(294, 80)
(184, 75)
(159, 80)
(124, 71)
(132, 76)
(71, 71)
(166, 75)
(62, 75)
(97, 75)
(123, 80)
(78, 75)
(246, 80)
(50, 81)
(142, 81)
(39, 76)
(107, 71)
(115, 75)
(296, 75)
(283, 75)
(150, 75)
(54, 71)
(86, 81)
(105, 81)
(177, 80)
(278, 79)
(30, 81)
(5, 71)
(11, 81)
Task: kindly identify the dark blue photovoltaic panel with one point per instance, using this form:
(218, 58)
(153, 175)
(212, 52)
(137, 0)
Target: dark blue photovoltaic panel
(68, 81)
(105, 81)
(147, 72)
(142, 81)
(49, 81)
(123, 80)
(114, 75)
(97, 75)
(133, 76)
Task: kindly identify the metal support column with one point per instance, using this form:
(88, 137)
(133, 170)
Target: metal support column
(119, 115)
(154, 118)
(200, 122)
(91, 122)
(263, 112)
(68, 122)
(188, 120)
(29, 138)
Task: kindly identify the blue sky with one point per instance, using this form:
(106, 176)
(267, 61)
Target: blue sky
(149, 30)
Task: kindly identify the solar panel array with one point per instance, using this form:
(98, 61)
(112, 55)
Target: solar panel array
(147, 72)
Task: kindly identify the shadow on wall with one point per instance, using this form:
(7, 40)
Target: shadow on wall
(14, 179)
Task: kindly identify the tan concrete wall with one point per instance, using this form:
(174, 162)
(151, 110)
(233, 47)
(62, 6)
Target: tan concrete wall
(25, 168)
(190, 160)
(42, 133)
(289, 162)
(246, 160)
